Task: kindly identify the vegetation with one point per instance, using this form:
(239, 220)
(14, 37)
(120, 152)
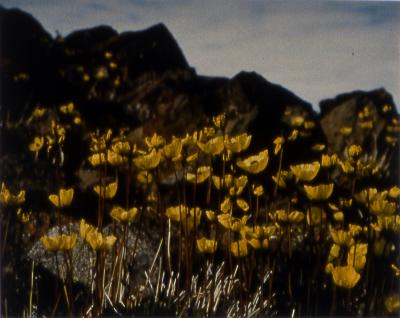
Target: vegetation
(239, 233)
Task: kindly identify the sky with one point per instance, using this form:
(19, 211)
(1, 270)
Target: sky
(316, 49)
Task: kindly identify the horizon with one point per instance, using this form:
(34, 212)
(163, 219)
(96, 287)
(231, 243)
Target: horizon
(315, 49)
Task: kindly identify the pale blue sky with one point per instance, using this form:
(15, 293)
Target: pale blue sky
(317, 49)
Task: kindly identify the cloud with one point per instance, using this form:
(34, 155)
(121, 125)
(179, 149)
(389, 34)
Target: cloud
(317, 49)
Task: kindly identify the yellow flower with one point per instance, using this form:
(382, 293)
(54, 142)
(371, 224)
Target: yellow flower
(258, 190)
(281, 215)
(334, 252)
(237, 224)
(369, 124)
(219, 120)
(381, 206)
(63, 198)
(270, 230)
(356, 256)
(354, 151)
(319, 192)
(177, 213)
(121, 147)
(238, 143)
(36, 144)
(108, 191)
(22, 216)
(173, 149)
(338, 216)
(279, 141)
(345, 276)
(391, 140)
(329, 268)
(108, 54)
(144, 177)
(315, 215)
(293, 135)
(242, 204)
(202, 174)
(238, 185)
(97, 159)
(341, 237)
(226, 205)
(121, 215)
(98, 241)
(296, 217)
(7, 198)
(192, 157)
(284, 178)
(206, 246)
(309, 124)
(296, 121)
(392, 303)
(329, 161)
(318, 147)
(226, 182)
(396, 270)
(354, 229)
(155, 141)
(67, 108)
(254, 164)
(388, 223)
(394, 192)
(346, 167)
(210, 215)
(239, 248)
(366, 195)
(115, 159)
(85, 228)
(58, 242)
(212, 147)
(346, 130)
(386, 108)
(306, 171)
(39, 112)
(149, 161)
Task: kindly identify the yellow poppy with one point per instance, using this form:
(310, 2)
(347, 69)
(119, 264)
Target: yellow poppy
(296, 121)
(258, 190)
(121, 215)
(98, 241)
(281, 215)
(395, 269)
(191, 158)
(36, 144)
(24, 217)
(226, 205)
(254, 164)
(242, 204)
(108, 191)
(239, 248)
(58, 242)
(341, 237)
(38, 112)
(238, 185)
(392, 303)
(154, 141)
(394, 192)
(213, 146)
(225, 182)
(345, 276)
(173, 149)
(356, 256)
(284, 178)
(329, 268)
(309, 124)
(219, 120)
(319, 192)
(354, 151)
(7, 198)
(346, 166)
(238, 143)
(293, 135)
(279, 141)
(354, 229)
(202, 174)
(338, 216)
(63, 198)
(306, 171)
(346, 130)
(85, 228)
(210, 215)
(121, 147)
(67, 108)
(366, 195)
(329, 161)
(296, 217)
(334, 252)
(382, 207)
(369, 124)
(318, 147)
(149, 161)
(206, 246)
(115, 159)
(177, 213)
(97, 159)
